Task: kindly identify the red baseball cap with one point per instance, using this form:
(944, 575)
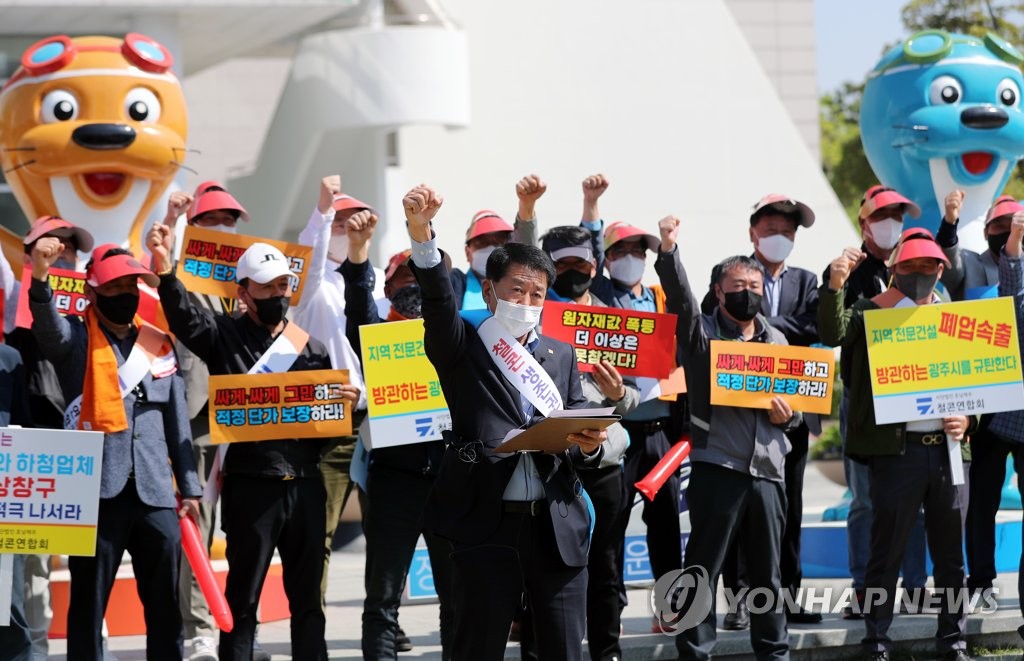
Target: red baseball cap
(786, 205)
(400, 259)
(344, 202)
(101, 271)
(211, 196)
(879, 196)
(619, 231)
(56, 226)
(1005, 205)
(397, 261)
(485, 222)
(917, 242)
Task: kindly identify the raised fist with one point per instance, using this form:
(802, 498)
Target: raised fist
(668, 227)
(360, 227)
(421, 205)
(842, 266)
(45, 252)
(530, 188)
(594, 187)
(329, 187)
(954, 201)
(177, 204)
(160, 241)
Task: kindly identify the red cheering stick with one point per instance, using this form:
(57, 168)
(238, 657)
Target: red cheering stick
(200, 562)
(664, 469)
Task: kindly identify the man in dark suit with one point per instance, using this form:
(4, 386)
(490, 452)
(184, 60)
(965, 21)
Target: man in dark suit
(790, 304)
(518, 524)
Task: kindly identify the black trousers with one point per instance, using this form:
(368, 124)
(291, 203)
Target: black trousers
(734, 574)
(900, 484)
(392, 525)
(723, 504)
(988, 472)
(153, 538)
(607, 491)
(258, 515)
(661, 516)
(15, 643)
(519, 565)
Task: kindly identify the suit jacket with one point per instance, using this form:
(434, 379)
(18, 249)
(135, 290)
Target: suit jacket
(157, 414)
(797, 318)
(465, 504)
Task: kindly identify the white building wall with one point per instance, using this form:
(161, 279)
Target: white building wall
(666, 98)
(781, 34)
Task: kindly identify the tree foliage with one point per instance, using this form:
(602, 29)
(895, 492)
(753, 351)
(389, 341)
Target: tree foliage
(842, 155)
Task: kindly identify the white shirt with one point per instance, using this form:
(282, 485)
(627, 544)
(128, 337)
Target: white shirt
(322, 310)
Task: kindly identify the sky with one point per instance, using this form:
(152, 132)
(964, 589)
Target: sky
(851, 36)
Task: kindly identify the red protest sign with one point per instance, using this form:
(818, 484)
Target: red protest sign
(68, 294)
(637, 343)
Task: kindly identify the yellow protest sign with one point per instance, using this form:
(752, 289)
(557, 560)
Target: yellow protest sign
(49, 490)
(930, 361)
(263, 407)
(208, 259)
(751, 374)
(405, 403)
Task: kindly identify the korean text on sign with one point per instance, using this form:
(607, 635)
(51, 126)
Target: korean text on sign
(751, 374)
(49, 490)
(208, 258)
(636, 343)
(261, 407)
(405, 402)
(930, 361)
(68, 294)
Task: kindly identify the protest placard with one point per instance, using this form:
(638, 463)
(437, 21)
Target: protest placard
(262, 407)
(405, 403)
(931, 361)
(751, 374)
(49, 490)
(208, 259)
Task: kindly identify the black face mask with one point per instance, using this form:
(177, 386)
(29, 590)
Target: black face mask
(271, 310)
(915, 286)
(407, 301)
(572, 284)
(118, 309)
(997, 241)
(742, 305)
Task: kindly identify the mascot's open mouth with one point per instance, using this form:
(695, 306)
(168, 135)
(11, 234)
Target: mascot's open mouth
(977, 162)
(103, 184)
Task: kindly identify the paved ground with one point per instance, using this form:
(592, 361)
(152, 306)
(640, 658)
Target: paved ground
(834, 638)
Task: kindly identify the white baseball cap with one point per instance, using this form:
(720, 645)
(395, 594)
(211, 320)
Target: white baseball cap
(261, 263)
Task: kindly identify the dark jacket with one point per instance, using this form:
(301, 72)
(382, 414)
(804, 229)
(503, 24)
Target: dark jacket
(360, 309)
(797, 318)
(465, 504)
(156, 411)
(845, 326)
(736, 438)
(230, 345)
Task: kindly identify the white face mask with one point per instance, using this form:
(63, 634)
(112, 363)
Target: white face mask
(478, 260)
(886, 233)
(517, 319)
(337, 248)
(627, 269)
(775, 248)
(228, 229)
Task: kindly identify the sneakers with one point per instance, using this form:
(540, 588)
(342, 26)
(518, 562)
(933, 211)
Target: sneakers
(879, 656)
(258, 653)
(203, 649)
(739, 620)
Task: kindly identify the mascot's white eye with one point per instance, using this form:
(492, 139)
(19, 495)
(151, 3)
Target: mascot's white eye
(59, 106)
(1008, 93)
(142, 105)
(945, 90)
